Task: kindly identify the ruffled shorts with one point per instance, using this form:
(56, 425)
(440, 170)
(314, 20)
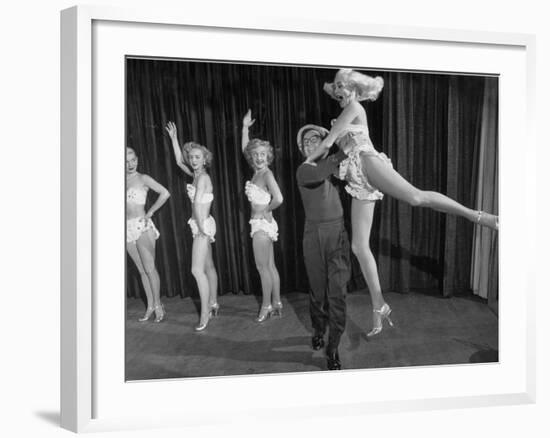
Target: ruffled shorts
(351, 170)
(209, 226)
(270, 228)
(135, 227)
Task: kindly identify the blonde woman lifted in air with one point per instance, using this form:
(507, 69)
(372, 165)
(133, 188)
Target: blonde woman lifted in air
(370, 174)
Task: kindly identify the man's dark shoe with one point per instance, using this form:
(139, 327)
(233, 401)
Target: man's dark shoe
(317, 342)
(333, 361)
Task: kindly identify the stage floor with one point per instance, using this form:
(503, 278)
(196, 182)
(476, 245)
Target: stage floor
(429, 330)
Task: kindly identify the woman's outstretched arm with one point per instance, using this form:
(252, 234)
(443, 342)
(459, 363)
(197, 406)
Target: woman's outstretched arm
(248, 121)
(348, 115)
(173, 133)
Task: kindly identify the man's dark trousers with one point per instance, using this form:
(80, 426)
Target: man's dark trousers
(326, 256)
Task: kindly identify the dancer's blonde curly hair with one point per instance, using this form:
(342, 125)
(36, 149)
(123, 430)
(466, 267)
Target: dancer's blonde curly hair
(190, 145)
(256, 143)
(365, 87)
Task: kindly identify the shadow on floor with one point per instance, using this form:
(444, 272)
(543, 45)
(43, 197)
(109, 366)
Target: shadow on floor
(51, 417)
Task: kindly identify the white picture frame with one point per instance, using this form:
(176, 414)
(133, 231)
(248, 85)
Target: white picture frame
(84, 172)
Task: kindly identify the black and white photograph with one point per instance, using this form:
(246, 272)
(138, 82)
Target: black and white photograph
(303, 218)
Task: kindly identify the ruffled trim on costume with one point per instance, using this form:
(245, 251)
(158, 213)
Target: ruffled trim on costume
(209, 225)
(365, 194)
(270, 228)
(206, 197)
(135, 227)
(256, 195)
(351, 170)
(353, 130)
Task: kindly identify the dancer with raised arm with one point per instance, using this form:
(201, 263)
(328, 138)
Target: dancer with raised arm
(370, 174)
(325, 242)
(265, 196)
(194, 160)
(141, 233)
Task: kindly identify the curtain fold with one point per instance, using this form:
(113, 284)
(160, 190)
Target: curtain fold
(428, 124)
(484, 264)
(462, 152)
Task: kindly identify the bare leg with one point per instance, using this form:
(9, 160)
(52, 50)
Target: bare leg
(387, 180)
(212, 276)
(198, 264)
(261, 244)
(276, 290)
(361, 223)
(134, 255)
(146, 248)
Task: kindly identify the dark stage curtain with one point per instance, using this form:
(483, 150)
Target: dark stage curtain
(427, 124)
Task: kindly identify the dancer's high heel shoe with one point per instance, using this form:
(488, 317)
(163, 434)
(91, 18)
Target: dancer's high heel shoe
(384, 313)
(265, 313)
(278, 309)
(147, 314)
(160, 313)
(202, 326)
(214, 309)
(487, 220)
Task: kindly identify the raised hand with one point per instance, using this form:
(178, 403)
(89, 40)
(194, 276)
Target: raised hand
(248, 121)
(181, 158)
(172, 130)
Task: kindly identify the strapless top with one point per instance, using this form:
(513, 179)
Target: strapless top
(206, 197)
(354, 135)
(255, 194)
(136, 195)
